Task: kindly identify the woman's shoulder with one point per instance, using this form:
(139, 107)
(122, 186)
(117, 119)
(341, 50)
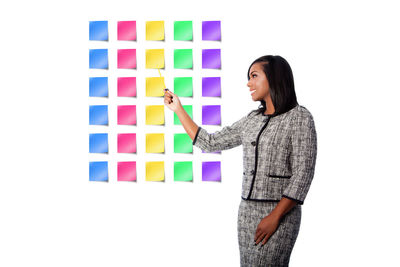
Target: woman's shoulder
(302, 116)
(302, 112)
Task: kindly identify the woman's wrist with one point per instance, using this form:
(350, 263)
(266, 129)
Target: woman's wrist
(179, 109)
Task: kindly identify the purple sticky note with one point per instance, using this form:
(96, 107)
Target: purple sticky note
(126, 30)
(126, 58)
(211, 30)
(127, 143)
(211, 115)
(211, 59)
(127, 86)
(127, 171)
(127, 115)
(211, 86)
(211, 171)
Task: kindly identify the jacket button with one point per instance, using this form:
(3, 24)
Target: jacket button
(253, 143)
(252, 171)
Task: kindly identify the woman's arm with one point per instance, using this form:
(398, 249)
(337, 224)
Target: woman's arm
(228, 137)
(172, 102)
(188, 124)
(270, 223)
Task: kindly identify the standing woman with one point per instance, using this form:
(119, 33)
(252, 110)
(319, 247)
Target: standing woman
(279, 153)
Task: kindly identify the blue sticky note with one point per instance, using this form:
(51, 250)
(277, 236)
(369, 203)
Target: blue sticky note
(98, 115)
(98, 30)
(98, 143)
(98, 58)
(98, 86)
(98, 171)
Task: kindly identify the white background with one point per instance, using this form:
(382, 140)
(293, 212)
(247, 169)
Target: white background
(344, 56)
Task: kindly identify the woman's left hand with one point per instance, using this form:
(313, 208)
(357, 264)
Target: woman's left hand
(266, 228)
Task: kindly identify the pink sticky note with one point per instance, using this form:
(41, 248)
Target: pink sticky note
(127, 143)
(127, 114)
(127, 86)
(127, 171)
(127, 30)
(126, 58)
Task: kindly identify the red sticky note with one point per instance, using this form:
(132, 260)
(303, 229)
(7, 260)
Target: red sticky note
(127, 86)
(127, 171)
(127, 143)
(127, 115)
(126, 58)
(126, 30)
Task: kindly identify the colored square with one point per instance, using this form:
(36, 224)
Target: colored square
(155, 171)
(98, 86)
(98, 115)
(127, 86)
(154, 58)
(211, 59)
(98, 143)
(98, 30)
(98, 171)
(98, 58)
(183, 143)
(155, 86)
(183, 59)
(155, 143)
(211, 86)
(183, 171)
(126, 115)
(189, 111)
(127, 143)
(126, 58)
(155, 115)
(211, 30)
(126, 31)
(211, 171)
(183, 86)
(126, 171)
(211, 115)
(154, 30)
(183, 31)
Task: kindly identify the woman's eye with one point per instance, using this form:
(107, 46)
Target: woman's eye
(253, 75)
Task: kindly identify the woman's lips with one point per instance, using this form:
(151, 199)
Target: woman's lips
(252, 92)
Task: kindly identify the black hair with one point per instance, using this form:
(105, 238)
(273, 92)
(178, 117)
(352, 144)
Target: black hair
(281, 83)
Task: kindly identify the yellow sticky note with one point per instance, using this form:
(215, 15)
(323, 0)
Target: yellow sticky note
(155, 171)
(155, 30)
(154, 58)
(154, 86)
(155, 143)
(155, 115)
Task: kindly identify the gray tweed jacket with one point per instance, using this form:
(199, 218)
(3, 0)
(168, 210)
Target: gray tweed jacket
(279, 152)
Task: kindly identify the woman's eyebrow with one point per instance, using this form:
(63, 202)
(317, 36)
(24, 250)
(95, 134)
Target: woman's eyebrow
(253, 71)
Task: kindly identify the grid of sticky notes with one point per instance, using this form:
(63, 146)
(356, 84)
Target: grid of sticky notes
(126, 86)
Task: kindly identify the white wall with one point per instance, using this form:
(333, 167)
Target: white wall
(344, 56)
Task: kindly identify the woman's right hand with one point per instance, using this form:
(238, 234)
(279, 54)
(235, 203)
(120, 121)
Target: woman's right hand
(171, 100)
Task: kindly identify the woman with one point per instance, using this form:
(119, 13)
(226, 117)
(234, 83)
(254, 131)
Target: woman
(279, 154)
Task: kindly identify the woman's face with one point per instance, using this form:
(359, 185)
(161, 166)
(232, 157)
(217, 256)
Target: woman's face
(258, 83)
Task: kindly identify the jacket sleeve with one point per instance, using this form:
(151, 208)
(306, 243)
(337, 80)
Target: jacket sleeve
(227, 138)
(302, 159)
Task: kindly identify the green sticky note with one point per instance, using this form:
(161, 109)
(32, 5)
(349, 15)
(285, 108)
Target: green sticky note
(183, 31)
(183, 143)
(183, 59)
(183, 171)
(183, 86)
(188, 109)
